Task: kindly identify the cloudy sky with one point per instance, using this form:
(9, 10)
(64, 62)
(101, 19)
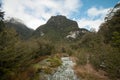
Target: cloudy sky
(88, 13)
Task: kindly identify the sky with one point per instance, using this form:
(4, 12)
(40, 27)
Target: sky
(89, 14)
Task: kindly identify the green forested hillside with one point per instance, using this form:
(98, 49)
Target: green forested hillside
(57, 28)
(102, 48)
(23, 31)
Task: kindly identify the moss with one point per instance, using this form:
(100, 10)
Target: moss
(48, 70)
(48, 65)
(54, 62)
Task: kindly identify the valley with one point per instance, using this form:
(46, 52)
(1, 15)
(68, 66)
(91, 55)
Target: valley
(60, 49)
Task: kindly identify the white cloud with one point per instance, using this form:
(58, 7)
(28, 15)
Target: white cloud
(95, 16)
(85, 23)
(36, 12)
(93, 12)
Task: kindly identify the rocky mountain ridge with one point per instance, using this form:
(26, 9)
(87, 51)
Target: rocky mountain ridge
(23, 31)
(59, 27)
(112, 11)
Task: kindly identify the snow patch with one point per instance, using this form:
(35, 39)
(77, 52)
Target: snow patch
(73, 34)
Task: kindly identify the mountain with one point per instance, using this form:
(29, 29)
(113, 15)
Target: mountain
(112, 11)
(23, 31)
(110, 29)
(59, 27)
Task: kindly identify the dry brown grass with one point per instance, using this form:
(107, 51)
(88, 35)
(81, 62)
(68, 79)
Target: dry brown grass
(87, 72)
(24, 75)
(30, 72)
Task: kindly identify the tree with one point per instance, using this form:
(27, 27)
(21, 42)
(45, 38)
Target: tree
(1, 15)
(116, 39)
(110, 30)
(8, 39)
(1, 19)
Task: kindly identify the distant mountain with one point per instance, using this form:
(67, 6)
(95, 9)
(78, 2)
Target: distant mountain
(23, 31)
(59, 27)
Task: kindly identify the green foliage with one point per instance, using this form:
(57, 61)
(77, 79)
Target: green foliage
(8, 39)
(16, 55)
(1, 19)
(82, 56)
(109, 53)
(22, 30)
(100, 49)
(47, 66)
(91, 40)
(43, 48)
(56, 29)
(93, 48)
(112, 63)
(110, 28)
(55, 62)
(2, 25)
(116, 39)
(1, 13)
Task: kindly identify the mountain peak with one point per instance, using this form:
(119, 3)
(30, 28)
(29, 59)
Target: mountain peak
(23, 31)
(56, 19)
(61, 22)
(58, 28)
(117, 5)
